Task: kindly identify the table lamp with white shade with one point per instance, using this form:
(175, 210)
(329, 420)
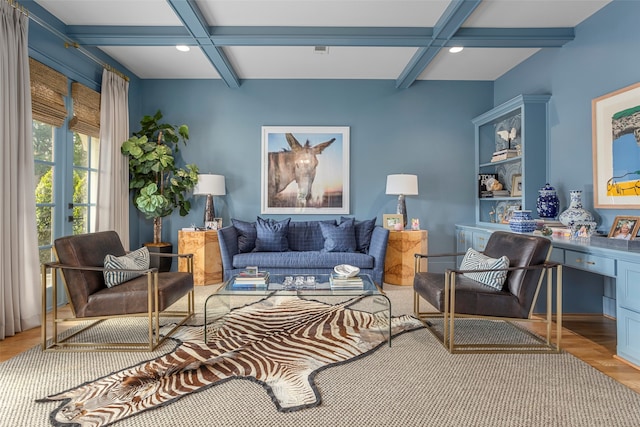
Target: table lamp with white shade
(209, 185)
(402, 185)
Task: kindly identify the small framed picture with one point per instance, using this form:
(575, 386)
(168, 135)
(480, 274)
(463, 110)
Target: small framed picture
(216, 224)
(415, 224)
(392, 221)
(516, 185)
(582, 229)
(624, 227)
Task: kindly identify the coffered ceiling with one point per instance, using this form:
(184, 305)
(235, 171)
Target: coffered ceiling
(399, 40)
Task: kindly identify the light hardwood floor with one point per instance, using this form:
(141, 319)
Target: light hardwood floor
(591, 338)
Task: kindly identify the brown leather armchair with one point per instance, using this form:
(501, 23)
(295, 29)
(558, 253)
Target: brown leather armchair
(456, 296)
(81, 261)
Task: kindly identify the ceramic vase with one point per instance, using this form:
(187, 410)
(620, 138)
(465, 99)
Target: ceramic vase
(522, 222)
(547, 204)
(575, 212)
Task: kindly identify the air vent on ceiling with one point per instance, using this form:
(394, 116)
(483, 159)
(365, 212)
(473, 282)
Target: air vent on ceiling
(322, 50)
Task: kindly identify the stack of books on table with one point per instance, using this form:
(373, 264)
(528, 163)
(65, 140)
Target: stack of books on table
(251, 280)
(504, 155)
(344, 282)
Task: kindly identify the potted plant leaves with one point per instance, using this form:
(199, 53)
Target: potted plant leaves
(159, 186)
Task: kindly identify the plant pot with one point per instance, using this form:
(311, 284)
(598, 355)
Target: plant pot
(521, 222)
(163, 264)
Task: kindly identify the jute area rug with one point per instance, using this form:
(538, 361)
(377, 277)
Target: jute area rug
(416, 382)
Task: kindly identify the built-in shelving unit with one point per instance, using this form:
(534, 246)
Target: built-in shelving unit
(519, 124)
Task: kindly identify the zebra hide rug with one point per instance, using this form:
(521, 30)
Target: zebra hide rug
(280, 342)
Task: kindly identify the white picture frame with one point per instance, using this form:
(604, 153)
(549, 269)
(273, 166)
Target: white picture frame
(326, 149)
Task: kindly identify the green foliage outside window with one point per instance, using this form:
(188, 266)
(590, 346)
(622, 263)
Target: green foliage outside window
(44, 173)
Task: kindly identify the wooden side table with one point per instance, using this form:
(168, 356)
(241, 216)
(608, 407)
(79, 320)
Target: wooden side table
(399, 263)
(207, 265)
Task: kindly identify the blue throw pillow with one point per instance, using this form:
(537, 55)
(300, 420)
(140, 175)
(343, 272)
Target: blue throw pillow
(364, 229)
(272, 235)
(246, 235)
(339, 238)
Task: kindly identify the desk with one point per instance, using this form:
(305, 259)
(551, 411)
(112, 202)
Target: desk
(399, 263)
(207, 265)
(618, 274)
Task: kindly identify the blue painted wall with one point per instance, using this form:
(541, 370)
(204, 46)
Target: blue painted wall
(425, 130)
(602, 58)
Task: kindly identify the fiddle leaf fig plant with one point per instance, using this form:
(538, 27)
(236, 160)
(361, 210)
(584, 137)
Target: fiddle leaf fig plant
(159, 186)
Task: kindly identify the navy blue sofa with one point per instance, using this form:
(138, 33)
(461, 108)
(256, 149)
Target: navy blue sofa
(304, 249)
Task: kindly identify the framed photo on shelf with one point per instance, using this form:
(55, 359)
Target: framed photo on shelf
(624, 227)
(516, 185)
(216, 224)
(305, 170)
(615, 149)
(390, 221)
(583, 229)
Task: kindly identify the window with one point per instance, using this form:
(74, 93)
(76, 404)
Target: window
(43, 153)
(85, 182)
(66, 159)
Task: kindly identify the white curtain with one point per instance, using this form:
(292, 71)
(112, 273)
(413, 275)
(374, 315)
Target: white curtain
(113, 181)
(19, 266)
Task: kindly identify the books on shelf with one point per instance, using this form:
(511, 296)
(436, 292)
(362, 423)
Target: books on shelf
(504, 155)
(560, 231)
(551, 223)
(506, 150)
(343, 282)
(483, 191)
(501, 193)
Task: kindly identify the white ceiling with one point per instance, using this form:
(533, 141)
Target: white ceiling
(365, 58)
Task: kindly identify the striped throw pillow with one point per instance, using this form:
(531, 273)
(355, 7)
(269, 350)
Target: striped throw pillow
(136, 260)
(474, 260)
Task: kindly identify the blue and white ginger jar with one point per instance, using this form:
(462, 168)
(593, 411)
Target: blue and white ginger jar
(575, 212)
(521, 222)
(547, 204)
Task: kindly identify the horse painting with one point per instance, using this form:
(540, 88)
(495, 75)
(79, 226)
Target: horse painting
(297, 164)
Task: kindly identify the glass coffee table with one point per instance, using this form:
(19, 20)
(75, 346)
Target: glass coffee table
(308, 286)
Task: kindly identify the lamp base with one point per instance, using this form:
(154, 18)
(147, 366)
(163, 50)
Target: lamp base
(402, 210)
(209, 212)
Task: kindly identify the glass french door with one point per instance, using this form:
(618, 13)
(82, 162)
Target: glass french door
(66, 169)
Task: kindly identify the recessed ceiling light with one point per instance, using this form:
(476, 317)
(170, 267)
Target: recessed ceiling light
(322, 50)
(183, 48)
(456, 49)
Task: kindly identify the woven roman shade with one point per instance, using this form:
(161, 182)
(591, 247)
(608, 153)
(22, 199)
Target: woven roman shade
(86, 110)
(48, 89)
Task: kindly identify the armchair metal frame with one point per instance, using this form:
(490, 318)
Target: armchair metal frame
(153, 314)
(449, 315)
